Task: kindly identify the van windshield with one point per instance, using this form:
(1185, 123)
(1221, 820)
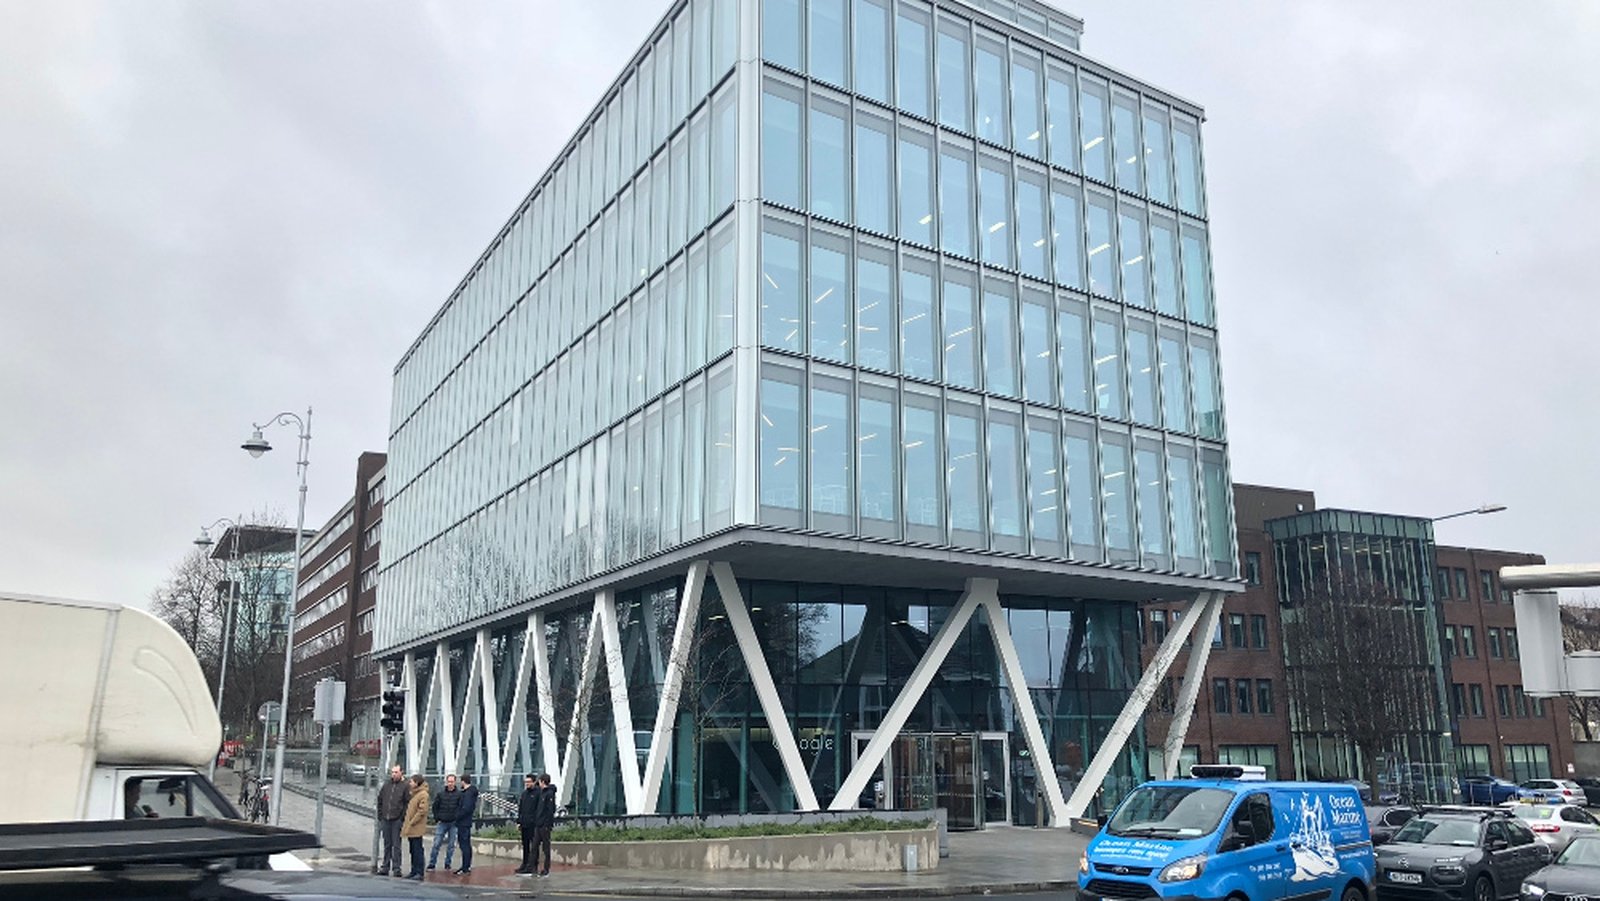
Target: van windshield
(1170, 812)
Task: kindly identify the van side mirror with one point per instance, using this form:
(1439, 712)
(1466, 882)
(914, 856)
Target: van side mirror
(1496, 844)
(1101, 820)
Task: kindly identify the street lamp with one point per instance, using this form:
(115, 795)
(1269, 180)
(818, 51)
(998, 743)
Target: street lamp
(204, 541)
(257, 445)
(1475, 511)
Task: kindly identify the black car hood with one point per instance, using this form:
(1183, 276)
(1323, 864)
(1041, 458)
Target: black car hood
(1569, 879)
(1419, 854)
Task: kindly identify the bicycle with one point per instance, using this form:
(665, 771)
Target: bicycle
(261, 802)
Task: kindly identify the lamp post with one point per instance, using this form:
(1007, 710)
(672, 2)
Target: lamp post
(204, 540)
(1475, 511)
(256, 445)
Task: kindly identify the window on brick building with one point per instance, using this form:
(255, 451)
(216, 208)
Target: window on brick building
(1458, 699)
(1158, 626)
(1264, 696)
(1476, 693)
(1219, 695)
(1469, 642)
(1449, 642)
(1442, 583)
(1462, 592)
(1236, 630)
(1252, 568)
(1486, 586)
(1241, 690)
(1502, 700)
(1495, 649)
(1258, 630)
(1512, 650)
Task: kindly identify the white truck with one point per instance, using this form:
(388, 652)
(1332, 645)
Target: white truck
(107, 716)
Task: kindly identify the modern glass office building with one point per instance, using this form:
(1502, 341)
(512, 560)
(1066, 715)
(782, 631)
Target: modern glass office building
(851, 368)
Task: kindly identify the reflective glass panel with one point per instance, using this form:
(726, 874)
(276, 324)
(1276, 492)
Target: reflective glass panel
(724, 150)
(1164, 263)
(1174, 382)
(831, 449)
(1083, 495)
(1061, 103)
(724, 285)
(1072, 353)
(911, 62)
(829, 40)
(1186, 156)
(875, 326)
(830, 161)
(830, 298)
(1135, 265)
(994, 214)
(1152, 498)
(990, 70)
(1038, 348)
(964, 468)
(955, 81)
(1129, 149)
(1185, 508)
(960, 332)
(782, 167)
(876, 453)
(916, 189)
(1116, 492)
(1196, 280)
(1218, 501)
(1157, 160)
(874, 186)
(1108, 367)
(781, 32)
(781, 463)
(1000, 338)
(955, 201)
(1102, 253)
(919, 347)
(1044, 482)
(1094, 126)
(781, 288)
(1027, 112)
(1066, 229)
(1142, 372)
(1005, 475)
(872, 52)
(924, 463)
(1033, 226)
(1203, 378)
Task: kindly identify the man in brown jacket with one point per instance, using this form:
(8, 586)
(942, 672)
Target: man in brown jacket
(416, 823)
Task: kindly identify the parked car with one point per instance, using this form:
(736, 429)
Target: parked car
(1575, 874)
(1557, 824)
(1447, 849)
(355, 771)
(1384, 798)
(1555, 791)
(1591, 789)
(1487, 790)
(1386, 820)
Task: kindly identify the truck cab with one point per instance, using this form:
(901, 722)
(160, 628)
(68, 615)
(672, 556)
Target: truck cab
(1227, 832)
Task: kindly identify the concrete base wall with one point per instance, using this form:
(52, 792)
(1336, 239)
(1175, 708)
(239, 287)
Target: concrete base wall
(833, 852)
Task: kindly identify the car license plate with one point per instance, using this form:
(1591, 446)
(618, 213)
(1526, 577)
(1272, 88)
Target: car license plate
(1407, 878)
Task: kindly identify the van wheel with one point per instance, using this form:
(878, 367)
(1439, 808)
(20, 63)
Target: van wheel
(1483, 889)
(1353, 893)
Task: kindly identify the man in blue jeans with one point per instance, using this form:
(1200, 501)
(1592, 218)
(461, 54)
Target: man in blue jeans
(469, 808)
(446, 810)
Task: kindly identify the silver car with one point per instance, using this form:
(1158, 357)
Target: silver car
(1557, 824)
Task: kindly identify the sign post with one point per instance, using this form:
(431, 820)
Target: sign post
(329, 710)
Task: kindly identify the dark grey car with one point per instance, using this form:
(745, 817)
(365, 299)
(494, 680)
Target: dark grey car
(1452, 854)
(1575, 874)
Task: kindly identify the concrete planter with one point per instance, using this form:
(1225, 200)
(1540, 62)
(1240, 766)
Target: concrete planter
(831, 852)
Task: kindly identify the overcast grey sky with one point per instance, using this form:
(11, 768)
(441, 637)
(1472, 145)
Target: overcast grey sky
(211, 212)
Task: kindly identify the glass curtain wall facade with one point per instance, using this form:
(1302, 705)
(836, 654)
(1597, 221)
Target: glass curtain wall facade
(1353, 559)
(917, 274)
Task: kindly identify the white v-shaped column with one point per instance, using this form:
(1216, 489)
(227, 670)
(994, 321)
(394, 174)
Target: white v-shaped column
(1022, 707)
(470, 698)
(517, 718)
(1183, 709)
(547, 699)
(683, 636)
(578, 732)
(408, 681)
(605, 619)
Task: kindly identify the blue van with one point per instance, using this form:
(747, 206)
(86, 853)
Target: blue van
(1227, 833)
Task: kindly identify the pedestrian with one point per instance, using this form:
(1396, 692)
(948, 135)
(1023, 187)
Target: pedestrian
(469, 809)
(416, 824)
(545, 820)
(527, 822)
(446, 807)
(392, 798)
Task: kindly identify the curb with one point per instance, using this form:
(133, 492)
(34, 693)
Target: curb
(886, 891)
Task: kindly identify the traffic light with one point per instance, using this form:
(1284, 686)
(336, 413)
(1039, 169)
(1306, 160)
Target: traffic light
(394, 702)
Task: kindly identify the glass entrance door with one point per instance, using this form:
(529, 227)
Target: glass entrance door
(994, 774)
(955, 773)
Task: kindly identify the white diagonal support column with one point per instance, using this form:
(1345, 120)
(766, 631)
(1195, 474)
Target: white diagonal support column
(577, 735)
(490, 705)
(761, 679)
(1193, 675)
(605, 619)
(1022, 699)
(516, 724)
(408, 681)
(545, 692)
(469, 701)
(1117, 738)
(683, 634)
(447, 707)
(429, 712)
(894, 719)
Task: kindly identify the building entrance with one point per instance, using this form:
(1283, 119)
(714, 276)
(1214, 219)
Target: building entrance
(968, 774)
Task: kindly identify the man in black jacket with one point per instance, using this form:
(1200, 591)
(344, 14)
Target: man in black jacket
(392, 800)
(468, 810)
(446, 808)
(527, 817)
(545, 820)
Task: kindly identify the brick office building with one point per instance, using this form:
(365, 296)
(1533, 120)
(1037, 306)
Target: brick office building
(334, 609)
(1243, 714)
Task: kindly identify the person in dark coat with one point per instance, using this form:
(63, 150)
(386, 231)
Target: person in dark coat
(469, 809)
(446, 807)
(392, 800)
(527, 818)
(545, 820)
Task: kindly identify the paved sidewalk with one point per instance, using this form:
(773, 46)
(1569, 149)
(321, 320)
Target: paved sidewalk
(996, 860)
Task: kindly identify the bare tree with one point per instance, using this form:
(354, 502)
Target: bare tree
(1580, 631)
(1358, 667)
